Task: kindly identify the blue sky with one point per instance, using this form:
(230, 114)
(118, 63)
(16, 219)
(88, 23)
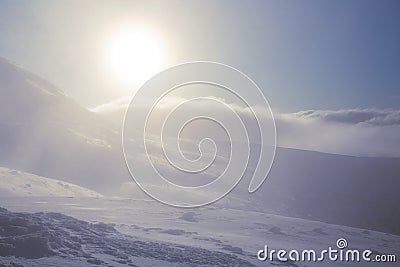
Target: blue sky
(303, 54)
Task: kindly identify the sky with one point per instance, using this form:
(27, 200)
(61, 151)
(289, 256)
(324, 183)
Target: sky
(327, 55)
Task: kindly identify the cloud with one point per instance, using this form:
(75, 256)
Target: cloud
(355, 116)
(357, 132)
(118, 105)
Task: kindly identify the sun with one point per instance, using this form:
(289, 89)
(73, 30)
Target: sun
(135, 56)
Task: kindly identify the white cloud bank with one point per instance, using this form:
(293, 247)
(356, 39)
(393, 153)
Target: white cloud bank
(355, 116)
(357, 132)
(119, 105)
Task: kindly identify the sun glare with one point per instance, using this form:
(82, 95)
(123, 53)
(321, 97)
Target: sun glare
(135, 56)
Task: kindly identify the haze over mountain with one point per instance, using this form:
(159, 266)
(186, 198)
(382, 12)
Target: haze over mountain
(45, 132)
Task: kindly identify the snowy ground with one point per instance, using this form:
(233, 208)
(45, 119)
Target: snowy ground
(109, 231)
(188, 237)
(55, 239)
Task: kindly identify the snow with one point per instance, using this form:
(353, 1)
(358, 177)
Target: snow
(54, 137)
(235, 232)
(39, 237)
(17, 183)
(57, 156)
(45, 132)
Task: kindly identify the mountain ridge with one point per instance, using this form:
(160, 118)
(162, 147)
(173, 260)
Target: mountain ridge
(62, 140)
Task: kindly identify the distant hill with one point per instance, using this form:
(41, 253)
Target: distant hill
(354, 191)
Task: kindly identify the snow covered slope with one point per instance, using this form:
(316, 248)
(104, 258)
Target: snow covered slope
(167, 236)
(43, 131)
(22, 184)
(355, 191)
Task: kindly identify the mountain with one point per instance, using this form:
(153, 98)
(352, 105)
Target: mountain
(354, 191)
(45, 132)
